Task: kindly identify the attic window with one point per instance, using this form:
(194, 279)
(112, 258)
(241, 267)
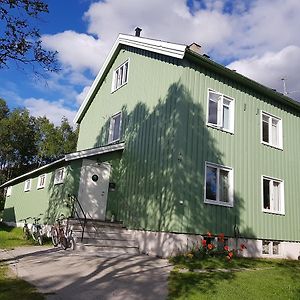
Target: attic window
(41, 181)
(8, 191)
(120, 76)
(59, 176)
(27, 185)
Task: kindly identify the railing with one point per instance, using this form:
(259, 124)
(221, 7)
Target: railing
(75, 203)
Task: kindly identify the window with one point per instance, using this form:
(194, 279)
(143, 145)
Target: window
(59, 176)
(270, 247)
(27, 185)
(41, 181)
(266, 246)
(120, 76)
(273, 199)
(271, 130)
(218, 185)
(220, 111)
(115, 128)
(8, 191)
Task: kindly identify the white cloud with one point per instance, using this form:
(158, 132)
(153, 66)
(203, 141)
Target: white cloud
(80, 97)
(271, 67)
(54, 110)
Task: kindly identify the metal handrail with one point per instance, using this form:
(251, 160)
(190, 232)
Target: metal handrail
(75, 200)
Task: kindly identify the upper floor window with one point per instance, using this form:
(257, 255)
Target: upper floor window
(218, 185)
(120, 76)
(220, 111)
(59, 176)
(273, 195)
(41, 181)
(8, 191)
(115, 128)
(27, 185)
(271, 130)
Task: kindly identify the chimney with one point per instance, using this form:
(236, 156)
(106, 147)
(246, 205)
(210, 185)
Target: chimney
(195, 48)
(137, 31)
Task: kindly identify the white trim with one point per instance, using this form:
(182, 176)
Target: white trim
(281, 200)
(27, 185)
(231, 185)
(59, 179)
(111, 128)
(165, 48)
(8, 191)
(280, 131)
(220, 105)
(95, 151)
(39, 185)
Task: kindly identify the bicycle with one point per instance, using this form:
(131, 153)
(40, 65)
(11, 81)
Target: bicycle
(36, 230)
(62, 236)
(26, 231)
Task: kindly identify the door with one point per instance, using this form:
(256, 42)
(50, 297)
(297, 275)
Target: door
(93, 189)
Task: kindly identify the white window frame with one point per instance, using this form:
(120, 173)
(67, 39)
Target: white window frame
(220, 105)
(8, 191)
(27, 185)
(118, 81)
(61, 178)
(271, 210)
(39, 184)
(230, 190)
(111, 127)
(271, 248)
(280, 138)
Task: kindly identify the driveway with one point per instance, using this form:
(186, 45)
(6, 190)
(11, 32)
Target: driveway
(78, 275)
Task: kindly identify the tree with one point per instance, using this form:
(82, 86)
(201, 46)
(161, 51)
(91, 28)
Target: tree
(20, 38)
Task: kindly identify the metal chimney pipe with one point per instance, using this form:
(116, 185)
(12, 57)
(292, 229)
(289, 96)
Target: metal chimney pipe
(138, 31)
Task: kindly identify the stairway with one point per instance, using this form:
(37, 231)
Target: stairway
(102, 237)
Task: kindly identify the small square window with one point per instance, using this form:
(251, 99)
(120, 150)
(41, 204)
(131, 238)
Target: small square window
(41, 181)
(59, 176)
(115, 128)
(220, 111)
(275, 248)
(218, 185)
(271, 130)
(266, 245)
(120, 76)
(273, 195)
(27, 185)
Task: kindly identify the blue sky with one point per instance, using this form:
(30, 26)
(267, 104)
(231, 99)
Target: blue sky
(258, 38)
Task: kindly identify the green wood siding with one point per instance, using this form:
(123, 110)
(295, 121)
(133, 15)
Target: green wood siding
(50, 201)
(161, 173)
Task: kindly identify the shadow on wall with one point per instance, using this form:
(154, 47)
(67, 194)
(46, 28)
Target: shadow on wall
(162, 170)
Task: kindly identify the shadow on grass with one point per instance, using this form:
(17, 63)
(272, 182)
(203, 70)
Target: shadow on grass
(6, 228)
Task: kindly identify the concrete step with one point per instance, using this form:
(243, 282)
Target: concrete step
(109, 243)
(91, 228)
(97, 248)
(96, 223)
(104, 235)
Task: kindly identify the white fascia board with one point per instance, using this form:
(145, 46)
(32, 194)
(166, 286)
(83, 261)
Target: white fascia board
(161, 47)
(8, 183)
(94, 151)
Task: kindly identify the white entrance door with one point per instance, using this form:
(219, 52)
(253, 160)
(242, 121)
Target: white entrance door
(93, 188)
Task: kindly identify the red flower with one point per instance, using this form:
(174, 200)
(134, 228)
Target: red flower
(204, 243)
(242, 247)
(230, 254)
(226, 248)
(221, 236)
(209, 234)
(210, 246)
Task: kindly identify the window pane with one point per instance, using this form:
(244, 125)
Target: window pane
(275, 132)
(121, 75)
(226, 117)
(276, 196)
(276, 248)
(266, 247)
(265, 129)
(116, 127)
(125, 72)
(213, 112)
(224, 186)
(211, 183)
(266, 193)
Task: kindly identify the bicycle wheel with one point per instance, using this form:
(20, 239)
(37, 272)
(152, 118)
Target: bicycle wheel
(54, 237)
(26, 233)
(64, 242)
(34, 234)
(40, 238)
(72, 243)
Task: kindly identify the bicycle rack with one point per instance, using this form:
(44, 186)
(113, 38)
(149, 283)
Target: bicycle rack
(75, 200)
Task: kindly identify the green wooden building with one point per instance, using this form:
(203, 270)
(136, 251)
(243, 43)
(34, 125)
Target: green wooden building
(175, 145)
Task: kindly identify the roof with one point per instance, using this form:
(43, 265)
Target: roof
(68, 157)
(178, 51)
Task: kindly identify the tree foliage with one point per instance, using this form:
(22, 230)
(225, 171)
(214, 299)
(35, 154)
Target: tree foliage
(28, 142)
(20, 38)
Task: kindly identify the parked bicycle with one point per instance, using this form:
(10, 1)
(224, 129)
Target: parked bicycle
(36, 230)
(26, 231)
(62, 235)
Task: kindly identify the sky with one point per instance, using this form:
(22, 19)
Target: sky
(258, 38)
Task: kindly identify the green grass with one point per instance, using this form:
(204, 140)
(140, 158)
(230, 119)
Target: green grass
(273, 279)
(15, 288)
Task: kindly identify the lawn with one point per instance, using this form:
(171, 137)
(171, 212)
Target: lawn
(244, 278)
